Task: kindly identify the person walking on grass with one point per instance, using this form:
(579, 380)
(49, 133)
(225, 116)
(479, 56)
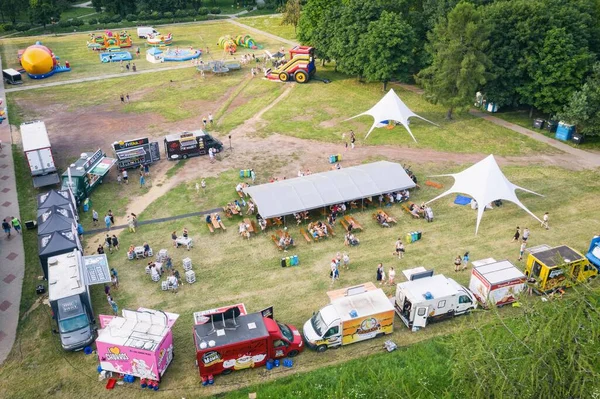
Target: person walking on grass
(114, 278)
(380, 272)
(391, 276)
(108, 243)
(346, 260)
(122, 98)
(125, 176)
(517, 234)
(457, 263)
(127, 97)
(210, 119)
(94, 217)
(112, 217)
(131, 224)
(204, 121)
(522, 250)
(399, 249)
(545, 221)
(142, 180)
(203, 185)
(112, 304)
(6, 227)
(107, 221)
(465, 260)
(115, 242)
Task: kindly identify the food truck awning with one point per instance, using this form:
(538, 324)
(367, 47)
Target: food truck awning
(103, 166)
(132, 153)
(328, 188)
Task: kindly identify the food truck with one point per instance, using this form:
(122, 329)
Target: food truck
(190, 144)
(496, 283)
(229, 339)
(133, 153)
(354, 314)
(86, 174)
(558, 267)
(431, 298)
(137, 343)
(70, 300)
(38, 152)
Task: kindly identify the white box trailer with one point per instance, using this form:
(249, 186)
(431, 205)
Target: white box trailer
(38, 152)
(497, 283)
(419, 302)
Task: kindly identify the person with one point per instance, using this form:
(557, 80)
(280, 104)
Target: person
(131, 251)
(380, 272)
(204, 121)
(352, 139)
(100, 249)
(107, 221)
(112, 217)
(106, 289)
(530, 285)
(465, 260)
(177, 276)
(211, 155)
(115, 277)
(473, 204)
(282, 243)
(134, 218)
(252, 175)
(133, 67)
(16, 224)
(352, 240)
(243, 229)
(262, 223)
(146, 250)
(203, 185)
(94, 217)
(127, 97)
(346, 260)
(525, 234)
(131, 224)
(127, 66)
(122, 98)
(391, 276)
(250, 210)
(80, 231)
(169, 263)
(108, 243)
(210, 119)
(399, 249)
(142, 180)
(414, 210)
(174, 237)
(185, 233)
(172, 281)
(381, 220)
(6, 227)
(334, 273)
(114, 282)
(517, 234)
(113, 304)
(457, 263)
(522, 250)
(125, 176)
(428, 214)
(147, 169)
(545, 221)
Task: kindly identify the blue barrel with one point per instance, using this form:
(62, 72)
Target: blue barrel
(241, 172)
(332, 159)
(276, 363)
(288, 363)
(269, 364)
(295, 260)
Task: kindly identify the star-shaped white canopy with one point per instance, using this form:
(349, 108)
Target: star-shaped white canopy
(391, 108)
(485, 183)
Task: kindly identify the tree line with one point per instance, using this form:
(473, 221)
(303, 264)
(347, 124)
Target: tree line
(540, 54)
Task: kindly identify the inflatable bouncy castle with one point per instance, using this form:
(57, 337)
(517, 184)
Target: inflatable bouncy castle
(40, 62)
(247, 41)
(227, 43)
(160, 40)
(110, 41)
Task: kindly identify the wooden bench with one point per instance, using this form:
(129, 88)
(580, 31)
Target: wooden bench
(210, 227)
(276, 241)
(222, 225)
(330, 230)
(388, 217)
(407, 210)
(240, 193)
(282, 234)
(305, 235)
(250, 226)
(433, 184)
(344, 224)
(355, 224)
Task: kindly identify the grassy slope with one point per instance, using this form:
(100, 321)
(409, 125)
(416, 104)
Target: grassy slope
(271, 24)
(231, 270)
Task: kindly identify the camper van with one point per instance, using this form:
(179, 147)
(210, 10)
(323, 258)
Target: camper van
(144, 31)
(69, 297)
(354, 314)
(424, 300)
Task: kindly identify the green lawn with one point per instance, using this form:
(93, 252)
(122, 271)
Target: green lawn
(77, 12)
(522, 118)
(231, 270)
(271, 24)
(85, 62)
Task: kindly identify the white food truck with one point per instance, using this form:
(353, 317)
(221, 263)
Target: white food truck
(38, 152)
(424, 300)
(496, 283)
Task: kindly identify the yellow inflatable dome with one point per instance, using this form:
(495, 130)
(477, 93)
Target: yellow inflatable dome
(38, 60)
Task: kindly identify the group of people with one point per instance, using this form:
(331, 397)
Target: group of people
(461, 261)
(523, 238)
(335, 265)
(302, 173)
(184, 234)
(285, 241)
(244, 230)
(210, 120)
(318, 229)
(110, 243)
(381, 276)
(383, 219)
(11, 223)
(300, 217)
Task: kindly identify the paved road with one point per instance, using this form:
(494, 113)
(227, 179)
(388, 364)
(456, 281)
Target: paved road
(12, 256)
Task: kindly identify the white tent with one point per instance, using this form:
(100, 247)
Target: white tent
(391, 108)
(485, 183)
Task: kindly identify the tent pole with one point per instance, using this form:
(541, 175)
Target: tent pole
(362, 204)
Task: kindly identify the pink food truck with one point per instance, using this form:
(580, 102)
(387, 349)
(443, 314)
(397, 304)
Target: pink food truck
(138, 343)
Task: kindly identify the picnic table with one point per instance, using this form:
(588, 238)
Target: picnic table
(184, 242)
(306, 235)
(230, 211)
(139, 252)
(214, 223)
(385, 215)
(406, 208)
(355, 224)
(250, 225)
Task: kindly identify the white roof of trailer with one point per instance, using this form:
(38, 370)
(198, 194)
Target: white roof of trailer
(499, 272)
(64, 276)
(367, 303)
(439, 286)
(34, 136)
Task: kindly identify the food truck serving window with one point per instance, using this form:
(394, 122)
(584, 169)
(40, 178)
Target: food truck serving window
(134, 152)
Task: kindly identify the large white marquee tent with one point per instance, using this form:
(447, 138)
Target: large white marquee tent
(391, 108)
(485, 183)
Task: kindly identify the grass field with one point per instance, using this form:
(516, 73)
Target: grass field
(85, 62)
(271, 24)
(230, 270)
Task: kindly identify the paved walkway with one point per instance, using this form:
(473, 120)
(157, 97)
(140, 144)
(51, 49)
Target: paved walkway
(12, 255)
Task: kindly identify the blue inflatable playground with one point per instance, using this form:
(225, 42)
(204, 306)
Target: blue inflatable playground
(116, 56)
(181, 55)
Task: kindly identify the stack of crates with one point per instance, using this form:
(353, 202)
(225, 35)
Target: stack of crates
(335, 158)
(162, 256)
(289, 261)
(190, 277)
(413, 236)
(187, 264)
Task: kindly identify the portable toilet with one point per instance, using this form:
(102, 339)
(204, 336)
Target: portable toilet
(564, 131)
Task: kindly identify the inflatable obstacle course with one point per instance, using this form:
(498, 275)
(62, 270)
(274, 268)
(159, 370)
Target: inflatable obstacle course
(160, 40)
(110, 41)
(227, 43)
(247, 41)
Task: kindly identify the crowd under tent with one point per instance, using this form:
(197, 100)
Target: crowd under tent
(391, 109)
(54, 219)
(485, 183)
(57, 243)
(320, 190)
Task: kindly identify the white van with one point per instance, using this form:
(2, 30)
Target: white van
(144, 31)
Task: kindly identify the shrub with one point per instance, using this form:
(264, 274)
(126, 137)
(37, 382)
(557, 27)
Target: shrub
(203, 11)
(168, 15)
(192, 13)
(131, 17)
(105, 19)
(77, 22)
(116, 18)
(64, 24)
(261, 6)
(22, 26)
(143, 16)
(93, 21)
(215, 10)
(155, 15)
(249, 8)
(7, 27)
(180, 13)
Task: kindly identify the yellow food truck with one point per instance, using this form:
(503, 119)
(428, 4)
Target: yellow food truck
(558, 267)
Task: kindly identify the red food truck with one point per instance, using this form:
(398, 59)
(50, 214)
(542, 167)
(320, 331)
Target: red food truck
(228, 339)
(190, 144)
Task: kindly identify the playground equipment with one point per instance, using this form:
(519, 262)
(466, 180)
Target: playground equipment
(156, 55)
(219, 67)
(300, 67)
(40, 62)
(110, 41)
(247, 41)
(116, 56)
(227, 43)
(159, 40)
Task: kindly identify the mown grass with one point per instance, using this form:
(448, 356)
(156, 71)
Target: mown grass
(85, 62)
(271, 24)
(522, 118)
(231, 270)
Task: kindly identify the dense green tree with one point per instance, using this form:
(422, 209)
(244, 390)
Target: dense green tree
(291, 13)
(11, 8)
(97, 4)
(459, 67)
(583, 108)
(389, 49)
(314, 26)
(43, 12)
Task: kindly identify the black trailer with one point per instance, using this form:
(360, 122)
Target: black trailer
(133, 153)
(190, 144)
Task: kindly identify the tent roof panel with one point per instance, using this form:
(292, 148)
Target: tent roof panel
(323, 189)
